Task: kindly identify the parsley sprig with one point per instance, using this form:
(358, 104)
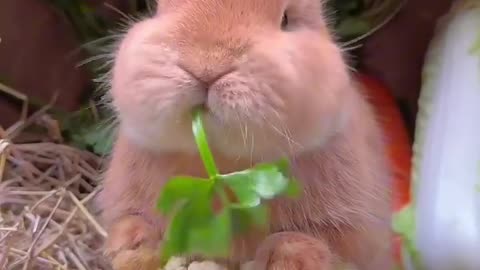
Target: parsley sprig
(195, 227)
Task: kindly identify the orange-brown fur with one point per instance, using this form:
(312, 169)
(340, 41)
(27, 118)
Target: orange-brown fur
(269, 93)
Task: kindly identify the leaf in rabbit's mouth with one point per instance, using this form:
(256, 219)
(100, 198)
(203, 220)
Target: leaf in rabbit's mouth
(196, 226)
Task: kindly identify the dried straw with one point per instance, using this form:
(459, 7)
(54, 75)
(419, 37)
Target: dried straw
(47, 218)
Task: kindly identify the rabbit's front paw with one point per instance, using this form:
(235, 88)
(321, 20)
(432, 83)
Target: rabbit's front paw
(132, 244)
(293, 251)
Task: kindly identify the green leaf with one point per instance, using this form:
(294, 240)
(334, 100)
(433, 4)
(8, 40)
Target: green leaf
(202, 144)
(212, 238)
(476, 46)
(404, 225)
(175, 241)
(183, 188)
(242, 185)
(211, 235)
(269, 180)
(265, 181)
(294, 188)
(347, 5)
(201, 210)
(100, 138)
(244, 219)
(190, 200)
(195, 229)
(353, 26)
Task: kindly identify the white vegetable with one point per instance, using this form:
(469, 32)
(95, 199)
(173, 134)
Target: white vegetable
(206, 265)
(176, 264)
(181, 264)
(446, 164)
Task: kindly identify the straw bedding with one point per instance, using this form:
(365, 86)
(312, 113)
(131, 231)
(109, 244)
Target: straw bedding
(47, 219)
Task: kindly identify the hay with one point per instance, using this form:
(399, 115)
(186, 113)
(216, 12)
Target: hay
(47, 189)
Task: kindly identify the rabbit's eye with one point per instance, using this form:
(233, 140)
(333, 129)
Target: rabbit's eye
(284, 21)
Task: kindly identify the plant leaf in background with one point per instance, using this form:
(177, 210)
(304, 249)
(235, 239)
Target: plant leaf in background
(99, 139)
(353, 26)
(346, 18)
(195, 228)
(82, 130)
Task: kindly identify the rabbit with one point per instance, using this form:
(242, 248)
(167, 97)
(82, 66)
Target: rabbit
(274, 83)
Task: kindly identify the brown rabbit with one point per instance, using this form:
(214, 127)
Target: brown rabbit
(274, 84)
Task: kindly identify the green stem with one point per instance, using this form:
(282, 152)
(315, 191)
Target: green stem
(202, 144)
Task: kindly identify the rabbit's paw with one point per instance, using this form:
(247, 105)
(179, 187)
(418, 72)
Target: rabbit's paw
(139, 259)
(293, 251)
(133, 244)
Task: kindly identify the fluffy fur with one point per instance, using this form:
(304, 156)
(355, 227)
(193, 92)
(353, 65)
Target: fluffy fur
(269, 92)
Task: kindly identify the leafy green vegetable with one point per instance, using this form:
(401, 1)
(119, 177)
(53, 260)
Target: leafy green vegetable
(201, 140)
(404, 225)
(264, 181)
(476, 46)
(195, 228)
(180, 189)
(82, 130)
(245, 218)
(347, 5)
(353, 26)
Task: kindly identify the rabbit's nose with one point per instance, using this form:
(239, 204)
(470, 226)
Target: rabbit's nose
(208, 73)
(207, 65)
(208, 76)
